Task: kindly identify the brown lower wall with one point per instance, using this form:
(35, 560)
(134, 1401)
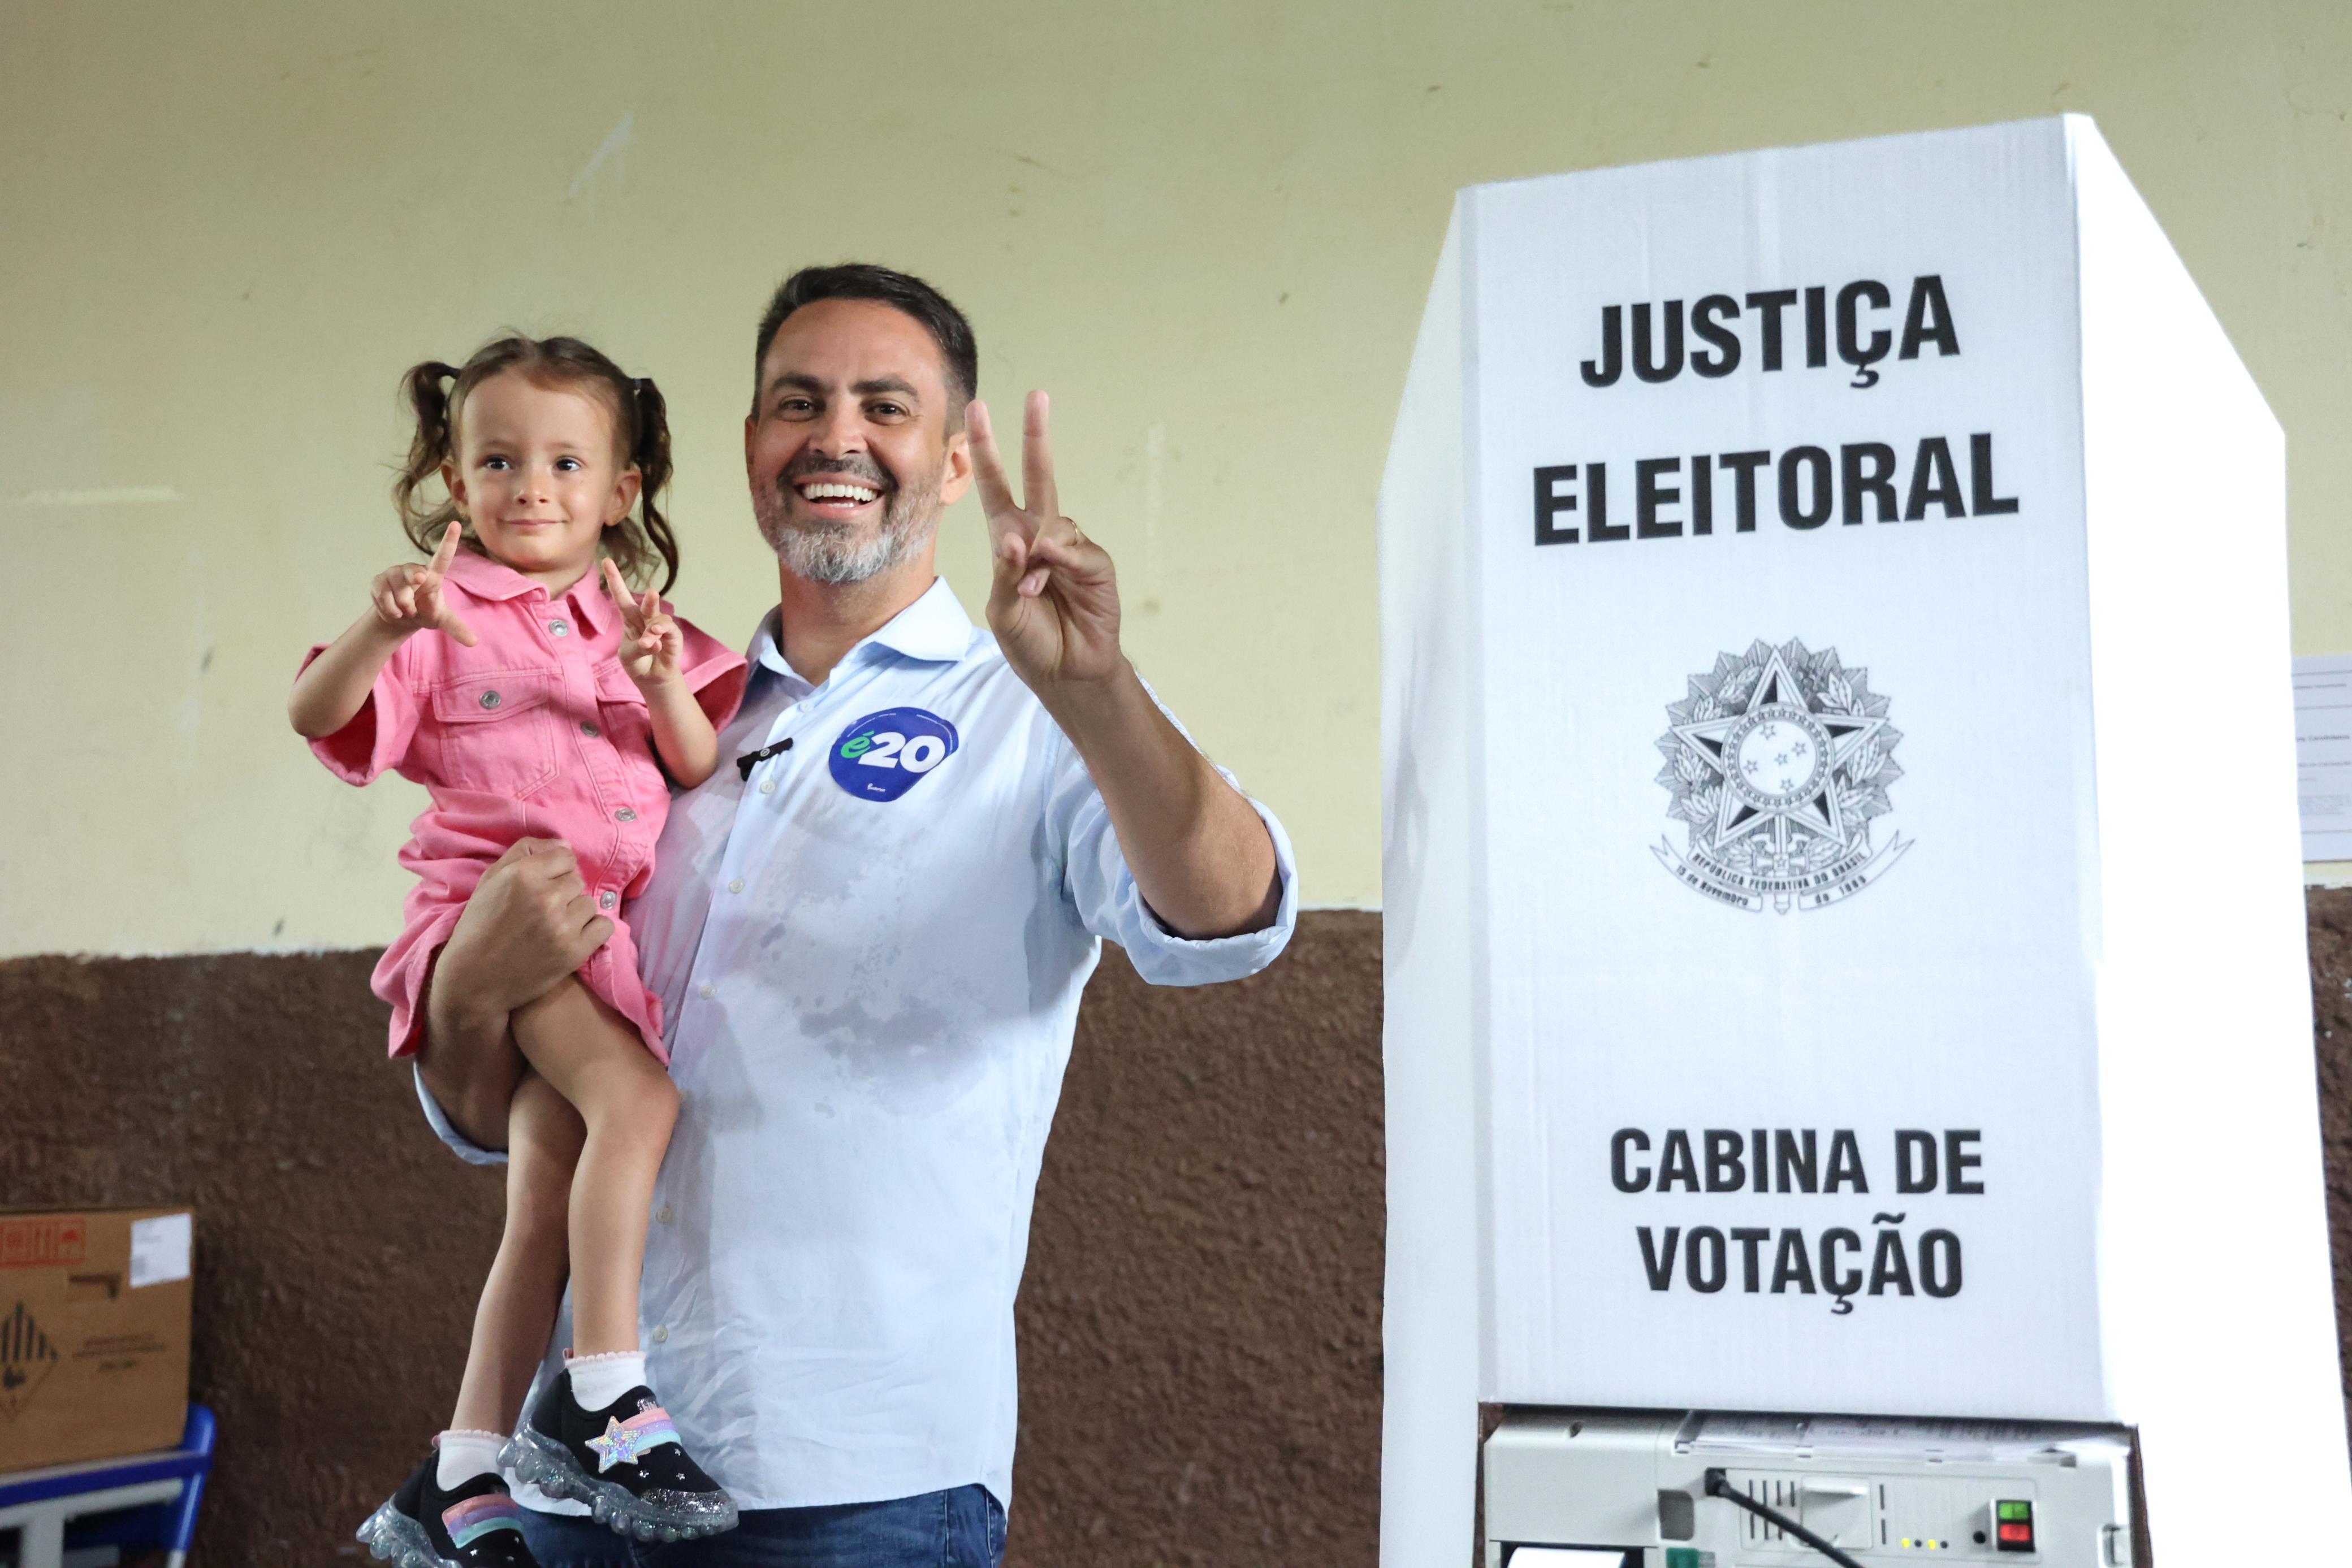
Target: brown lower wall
(1200, 1323)
(2331, 1005)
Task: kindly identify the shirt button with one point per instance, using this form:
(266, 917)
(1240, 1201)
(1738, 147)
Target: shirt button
(489, 699)
(558, 629)
(624, 815)
(709, 991)
(606, 899)
(735, 886)
(663, 1213)
(767, 786)
(588, 728)
(661, 1334)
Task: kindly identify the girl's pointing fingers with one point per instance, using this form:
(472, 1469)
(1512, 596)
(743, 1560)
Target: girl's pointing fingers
(631, 618)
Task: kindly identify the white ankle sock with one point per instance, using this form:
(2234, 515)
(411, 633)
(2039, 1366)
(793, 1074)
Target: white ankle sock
(464, 1456)
(598, 1380)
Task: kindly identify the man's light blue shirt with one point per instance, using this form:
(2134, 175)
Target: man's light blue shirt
(870, 977)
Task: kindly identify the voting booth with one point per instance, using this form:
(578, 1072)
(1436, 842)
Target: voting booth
(1845, 955)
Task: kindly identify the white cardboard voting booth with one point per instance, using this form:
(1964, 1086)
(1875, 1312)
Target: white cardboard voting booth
(1844, 934)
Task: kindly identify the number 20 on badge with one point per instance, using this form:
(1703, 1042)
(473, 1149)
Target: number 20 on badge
(886, 753)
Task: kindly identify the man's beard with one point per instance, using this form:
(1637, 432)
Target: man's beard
(816, 551)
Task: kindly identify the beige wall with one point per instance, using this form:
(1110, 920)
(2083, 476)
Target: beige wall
(1207, 228)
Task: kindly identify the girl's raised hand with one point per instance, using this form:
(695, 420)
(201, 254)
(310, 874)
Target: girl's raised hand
(652, 647)
(409, 598)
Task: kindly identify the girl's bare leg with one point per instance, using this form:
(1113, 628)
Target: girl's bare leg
(595, 1060)
(526, 1284)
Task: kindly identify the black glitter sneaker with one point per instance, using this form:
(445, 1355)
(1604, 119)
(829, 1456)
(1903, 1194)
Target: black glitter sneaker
(624, 1462)
(477, 1525)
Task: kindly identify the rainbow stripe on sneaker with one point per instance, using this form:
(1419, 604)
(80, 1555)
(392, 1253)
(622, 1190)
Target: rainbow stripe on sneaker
(624, 1440)
(475, 1517)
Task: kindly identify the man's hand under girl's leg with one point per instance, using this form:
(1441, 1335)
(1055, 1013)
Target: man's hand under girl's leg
(529, 925)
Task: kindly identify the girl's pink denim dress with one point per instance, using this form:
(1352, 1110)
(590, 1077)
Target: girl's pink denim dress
(537, 732)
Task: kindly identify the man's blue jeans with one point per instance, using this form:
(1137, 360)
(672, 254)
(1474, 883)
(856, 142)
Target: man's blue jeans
(959, 1528)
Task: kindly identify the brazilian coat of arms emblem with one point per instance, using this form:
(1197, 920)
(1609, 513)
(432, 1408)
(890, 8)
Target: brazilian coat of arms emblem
(1778, 763)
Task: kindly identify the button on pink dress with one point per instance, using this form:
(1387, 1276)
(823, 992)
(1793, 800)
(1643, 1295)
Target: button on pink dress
(536, 733)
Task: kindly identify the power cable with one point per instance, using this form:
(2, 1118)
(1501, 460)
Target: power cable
(1718, 1484)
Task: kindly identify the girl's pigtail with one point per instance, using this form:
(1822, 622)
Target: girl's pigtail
(427, 392)
(652, 460)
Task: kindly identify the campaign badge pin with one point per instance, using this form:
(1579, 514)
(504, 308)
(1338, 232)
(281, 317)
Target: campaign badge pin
(886, 753)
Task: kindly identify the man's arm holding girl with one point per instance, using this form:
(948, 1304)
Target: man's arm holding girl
(530, 923)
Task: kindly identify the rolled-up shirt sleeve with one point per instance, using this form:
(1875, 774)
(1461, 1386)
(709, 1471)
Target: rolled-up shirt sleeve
(1102, 889)
(378, 735)
(714, 672)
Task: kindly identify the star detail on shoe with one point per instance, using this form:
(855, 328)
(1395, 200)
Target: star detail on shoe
(620, 1444)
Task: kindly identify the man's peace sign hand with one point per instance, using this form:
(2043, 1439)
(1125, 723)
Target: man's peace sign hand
(409, 598)
(1054, 603)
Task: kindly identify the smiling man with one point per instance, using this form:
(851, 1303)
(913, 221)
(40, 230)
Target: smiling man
(870, 935)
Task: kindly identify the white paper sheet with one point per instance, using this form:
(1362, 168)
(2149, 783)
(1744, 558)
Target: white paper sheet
(160, 1247)
(2322, 754)
(1759, 1437)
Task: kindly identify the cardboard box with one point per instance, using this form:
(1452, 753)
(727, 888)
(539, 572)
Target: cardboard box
(93, 1333)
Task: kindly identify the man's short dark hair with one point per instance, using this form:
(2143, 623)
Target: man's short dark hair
(902, 292)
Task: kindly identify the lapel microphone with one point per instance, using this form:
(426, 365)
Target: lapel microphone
(751, 759)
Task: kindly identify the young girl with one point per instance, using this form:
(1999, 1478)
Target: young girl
(530, 700)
